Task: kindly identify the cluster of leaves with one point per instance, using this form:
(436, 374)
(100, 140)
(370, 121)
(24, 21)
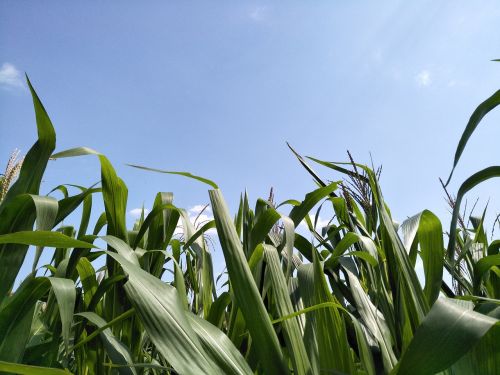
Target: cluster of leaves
(343, 299)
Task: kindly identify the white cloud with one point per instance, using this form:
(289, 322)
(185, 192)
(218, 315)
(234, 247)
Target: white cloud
(136, 212)
(259, 13)
(10, 77)
(423, 78)
(195, 210)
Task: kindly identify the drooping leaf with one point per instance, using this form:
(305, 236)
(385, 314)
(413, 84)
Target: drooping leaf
(426, 230)
(476, 117)
(114, 191)
(185, 174)
(446, 334)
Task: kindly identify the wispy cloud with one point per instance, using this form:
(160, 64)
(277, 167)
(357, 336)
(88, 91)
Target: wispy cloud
(10, 77)
(258, 13)
(423, 79)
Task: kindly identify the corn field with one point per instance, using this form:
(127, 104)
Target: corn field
(342, 299)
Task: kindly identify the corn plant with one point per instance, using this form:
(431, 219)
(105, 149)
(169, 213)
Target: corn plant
(342, 299)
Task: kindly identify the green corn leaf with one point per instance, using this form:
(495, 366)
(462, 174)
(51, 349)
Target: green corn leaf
(86, 211)
(298, 213)
(308, 168)
(154, 222)
(426, 230)
(446, 334)
(16, 368)
(412, 296)
(218, 308)
(374, 320)
(467, 185)
(46, 213)
(88, 279)
(122, 248)
(28, 182)
(262, 227)
(208, 225)
(65, 292)
(114, 191)
(284, 307)
(16, 315)
(185, 174)
(365, 353)
(36, 159)
(100, 223)
(327, 324)
(247, 295)
(484, 265)
(44, 238)
(160, 225)
(476, 117)
(349, 239)
(483, 358)
(69, 204)
(162, 313)
(117, 352)
(218, 346)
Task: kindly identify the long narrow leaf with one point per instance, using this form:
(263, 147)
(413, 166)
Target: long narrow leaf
(246, 292)
(476, 117)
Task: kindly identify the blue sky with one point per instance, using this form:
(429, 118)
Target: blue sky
(217, 89)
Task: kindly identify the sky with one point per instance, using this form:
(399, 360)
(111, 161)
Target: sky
(217, 89)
